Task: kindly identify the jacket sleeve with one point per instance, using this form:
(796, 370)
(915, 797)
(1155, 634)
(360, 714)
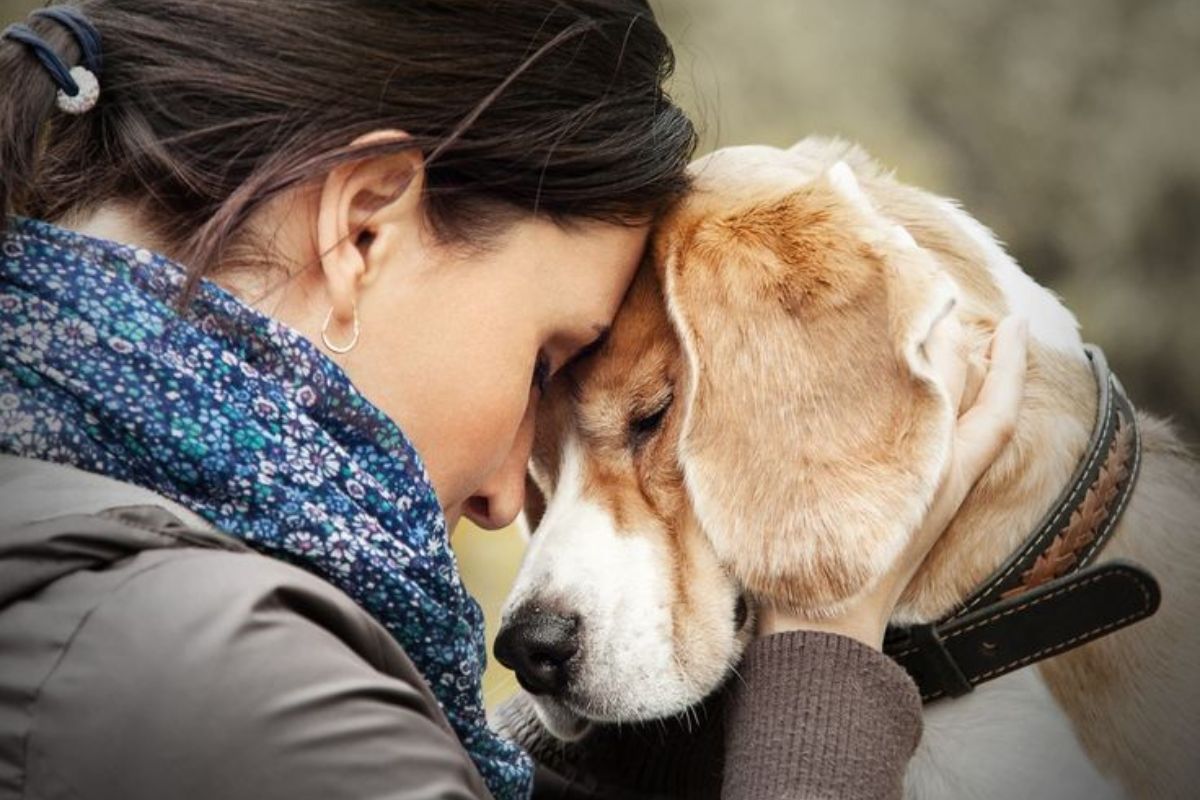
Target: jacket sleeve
(203, 677)
(808, 715)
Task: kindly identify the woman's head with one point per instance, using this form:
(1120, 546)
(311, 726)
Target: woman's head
(473, 178)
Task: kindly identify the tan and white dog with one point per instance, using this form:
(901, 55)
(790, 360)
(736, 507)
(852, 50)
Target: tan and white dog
(761, 422)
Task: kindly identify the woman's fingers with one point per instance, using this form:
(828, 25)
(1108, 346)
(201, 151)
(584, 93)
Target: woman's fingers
(947, 352)
(988, 424)
(979, 435)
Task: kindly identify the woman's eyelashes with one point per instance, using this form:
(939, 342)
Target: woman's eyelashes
(541, 372)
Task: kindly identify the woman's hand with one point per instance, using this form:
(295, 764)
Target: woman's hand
(980, 434)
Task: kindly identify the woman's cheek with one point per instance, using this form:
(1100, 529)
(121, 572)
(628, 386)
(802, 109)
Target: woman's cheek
(478, 437)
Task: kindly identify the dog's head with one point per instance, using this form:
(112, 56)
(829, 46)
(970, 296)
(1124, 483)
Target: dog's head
(762, 424)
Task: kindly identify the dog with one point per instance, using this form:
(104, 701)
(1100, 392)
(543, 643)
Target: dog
(760, 425)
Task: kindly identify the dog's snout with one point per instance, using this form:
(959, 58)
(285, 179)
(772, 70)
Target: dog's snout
(538, 646)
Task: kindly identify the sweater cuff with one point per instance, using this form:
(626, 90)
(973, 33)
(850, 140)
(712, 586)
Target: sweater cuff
(819, 714)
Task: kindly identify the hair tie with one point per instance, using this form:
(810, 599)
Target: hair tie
(79, 86)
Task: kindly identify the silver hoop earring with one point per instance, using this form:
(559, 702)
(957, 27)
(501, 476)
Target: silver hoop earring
(340, 348)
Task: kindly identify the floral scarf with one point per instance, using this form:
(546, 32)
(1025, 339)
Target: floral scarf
(242, 420)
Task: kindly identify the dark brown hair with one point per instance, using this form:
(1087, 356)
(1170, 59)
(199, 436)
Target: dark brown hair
(210, 109)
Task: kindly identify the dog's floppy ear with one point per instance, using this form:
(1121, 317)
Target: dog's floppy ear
(814, 431)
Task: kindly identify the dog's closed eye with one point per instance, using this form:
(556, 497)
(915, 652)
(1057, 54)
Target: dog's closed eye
(642, 427)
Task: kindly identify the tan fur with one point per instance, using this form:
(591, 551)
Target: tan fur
(803, 440)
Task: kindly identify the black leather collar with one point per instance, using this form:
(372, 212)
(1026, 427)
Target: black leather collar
(1047, 597)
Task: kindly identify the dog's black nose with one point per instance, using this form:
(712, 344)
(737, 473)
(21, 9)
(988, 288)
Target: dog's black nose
(538, 646)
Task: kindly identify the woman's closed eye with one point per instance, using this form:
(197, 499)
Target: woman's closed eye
(541, 372)
(543, 369)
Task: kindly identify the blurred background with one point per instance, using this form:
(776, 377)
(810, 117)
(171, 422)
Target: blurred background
(1069, 128)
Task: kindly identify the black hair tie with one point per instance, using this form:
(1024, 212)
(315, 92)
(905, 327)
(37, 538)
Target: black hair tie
(78, 87)
(85, 33)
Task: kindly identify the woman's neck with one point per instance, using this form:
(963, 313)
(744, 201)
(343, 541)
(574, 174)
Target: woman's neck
(262, 288)
(115, 221)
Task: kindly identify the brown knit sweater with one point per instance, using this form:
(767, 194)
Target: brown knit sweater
(808, 715)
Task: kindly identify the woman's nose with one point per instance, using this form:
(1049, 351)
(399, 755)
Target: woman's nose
(502, 497)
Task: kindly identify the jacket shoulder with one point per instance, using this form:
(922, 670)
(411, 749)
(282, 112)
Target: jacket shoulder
(210, 673)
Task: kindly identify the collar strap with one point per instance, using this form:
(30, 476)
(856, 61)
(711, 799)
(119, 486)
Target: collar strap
(952, 657)
(1045, 598)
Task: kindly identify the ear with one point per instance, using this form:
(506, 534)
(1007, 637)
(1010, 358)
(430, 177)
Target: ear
(814, 431)
(367, 207)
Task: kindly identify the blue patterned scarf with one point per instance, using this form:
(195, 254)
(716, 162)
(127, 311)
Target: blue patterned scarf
(245, 422)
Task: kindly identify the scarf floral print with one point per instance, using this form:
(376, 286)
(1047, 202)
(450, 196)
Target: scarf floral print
(242, 420)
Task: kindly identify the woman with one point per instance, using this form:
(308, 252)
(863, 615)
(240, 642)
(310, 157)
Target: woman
(223, 536)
